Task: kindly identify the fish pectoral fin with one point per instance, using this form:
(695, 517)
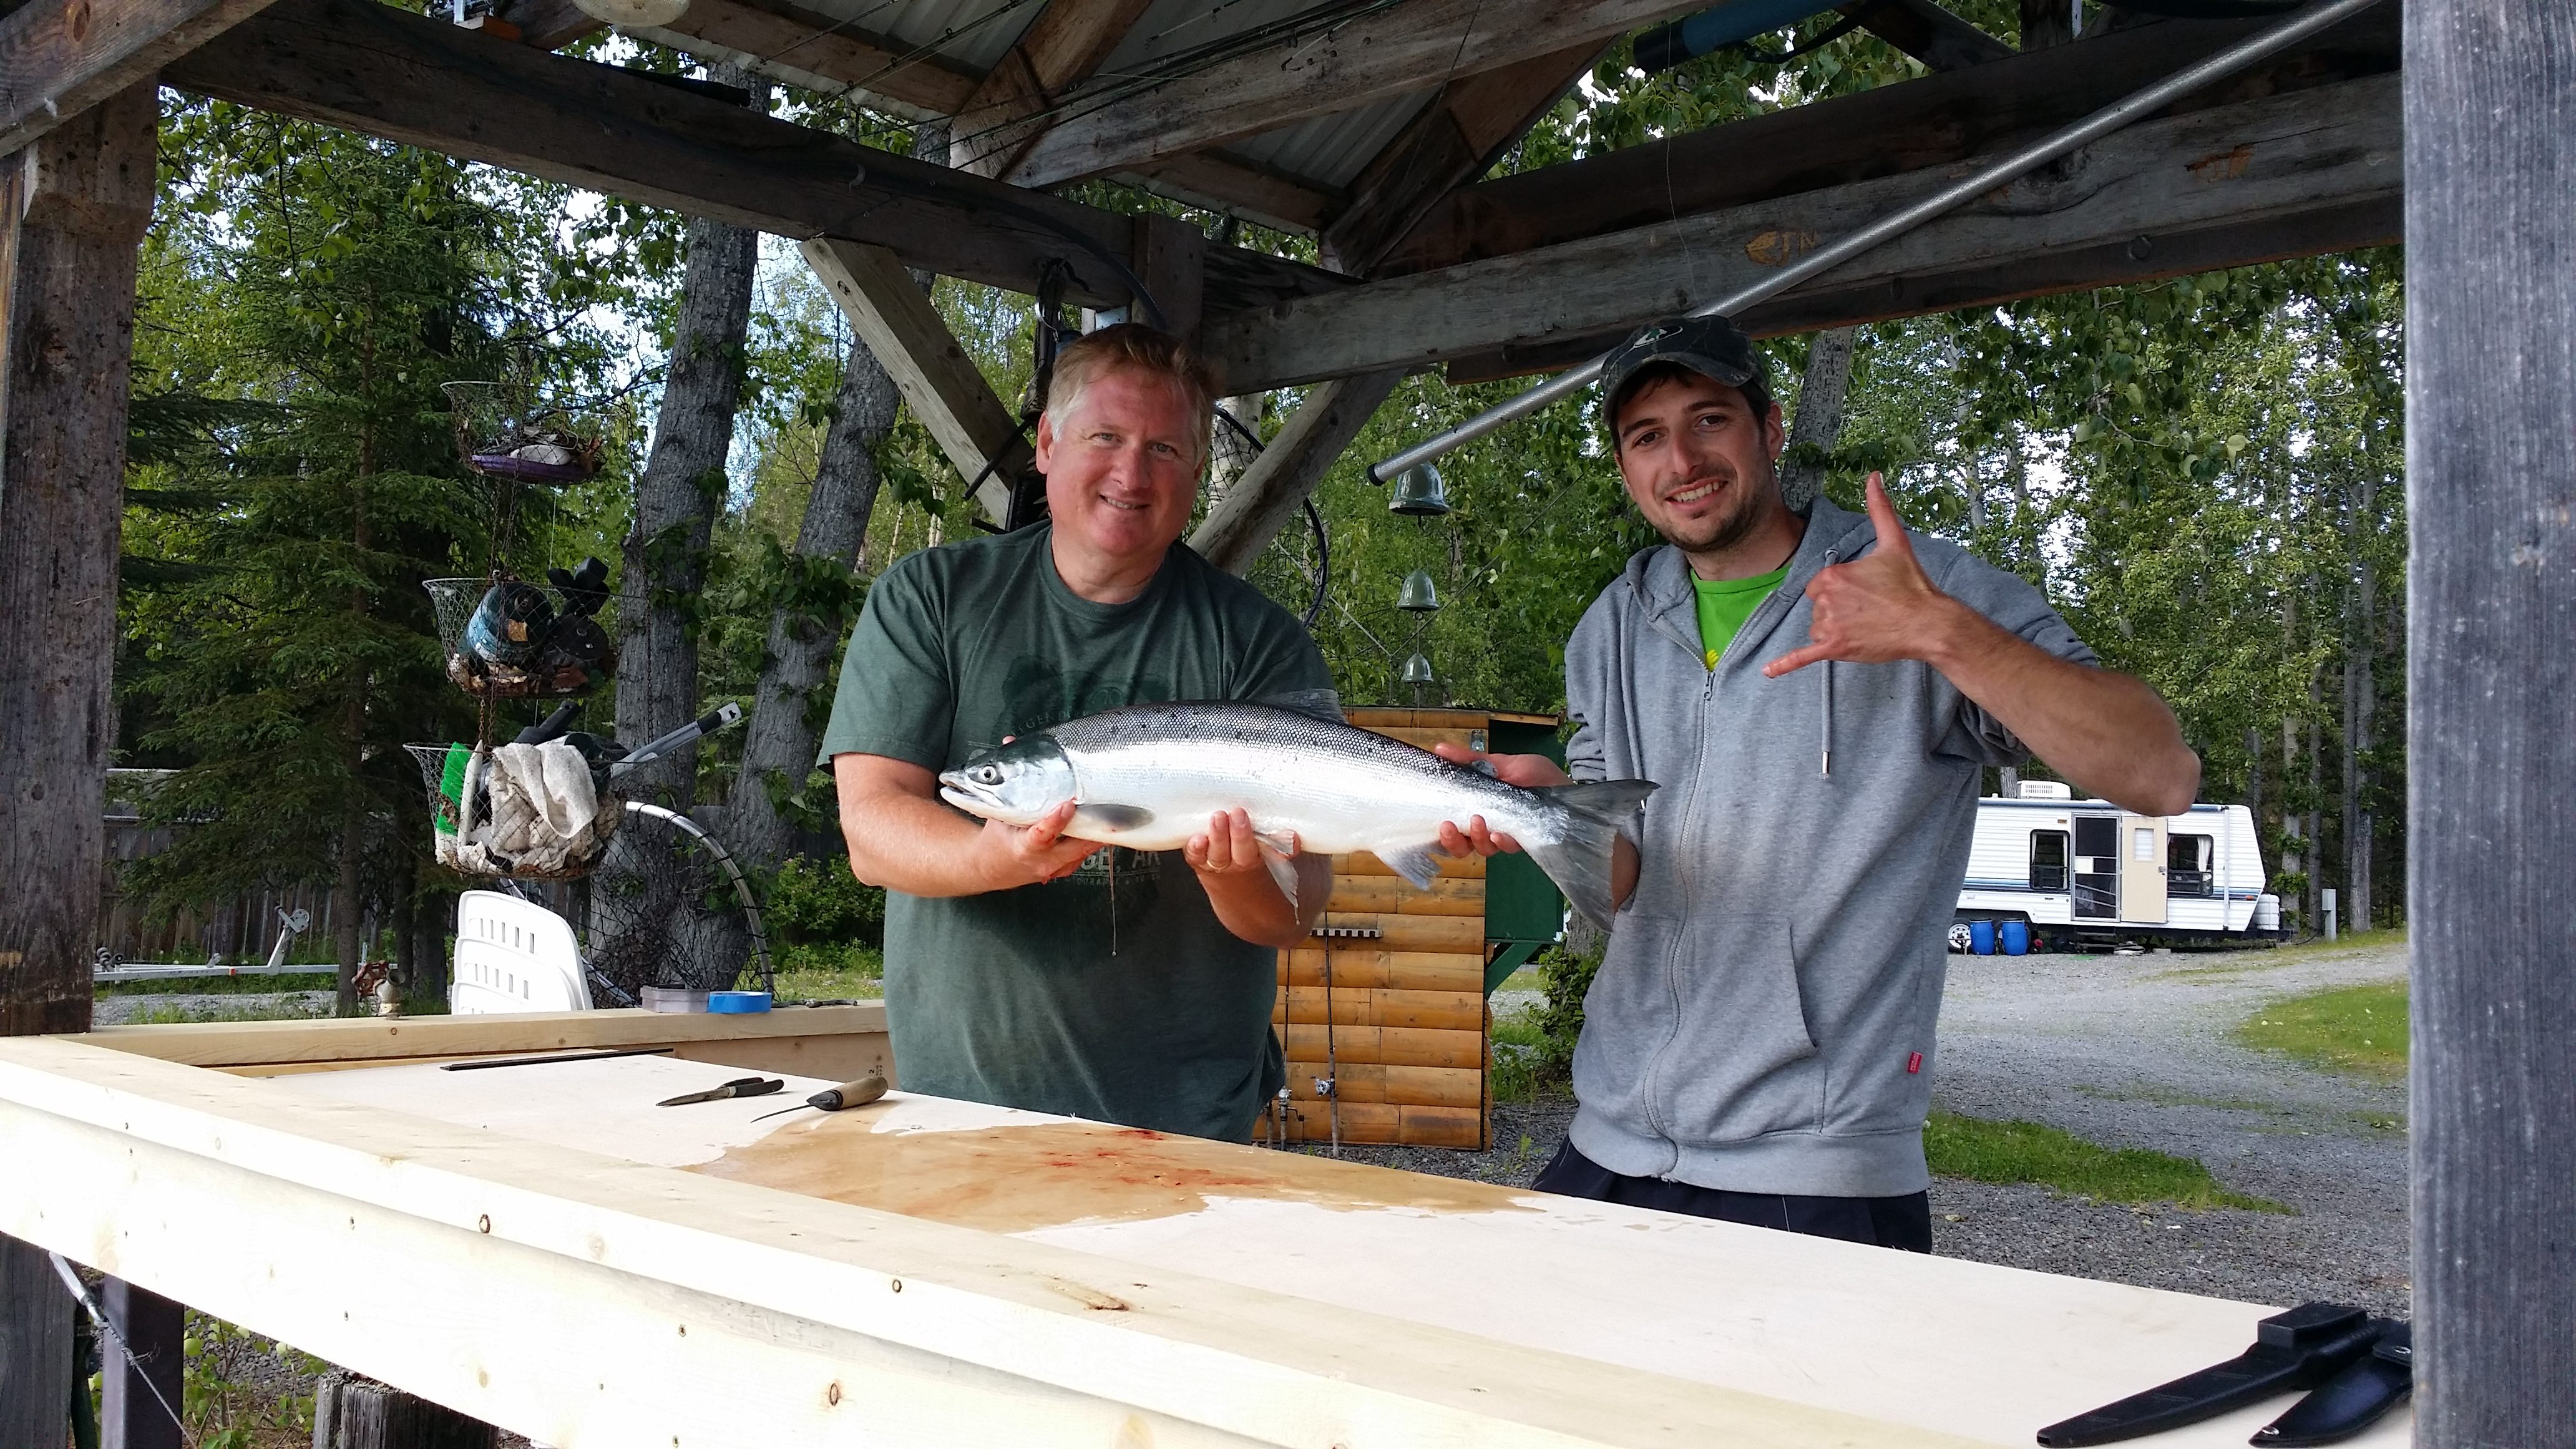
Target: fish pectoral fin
(1282, 843)
(1115, 817)
(1282, 866)
(1418, 865)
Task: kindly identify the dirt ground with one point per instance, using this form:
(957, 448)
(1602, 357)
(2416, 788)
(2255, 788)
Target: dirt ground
(2133, 1051)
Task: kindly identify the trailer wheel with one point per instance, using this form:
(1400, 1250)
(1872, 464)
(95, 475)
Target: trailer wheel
(1958, 938)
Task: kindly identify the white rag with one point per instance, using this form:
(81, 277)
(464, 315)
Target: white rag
(545, 813)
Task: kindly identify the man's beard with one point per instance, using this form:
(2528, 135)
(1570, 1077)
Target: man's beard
(1726, 530)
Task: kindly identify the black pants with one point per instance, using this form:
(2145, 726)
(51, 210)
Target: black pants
(1887, 1222)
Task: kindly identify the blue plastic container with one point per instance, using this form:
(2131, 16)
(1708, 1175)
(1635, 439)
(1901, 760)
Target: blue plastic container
(737, 1003)
(2015, 937)
(1981, 937)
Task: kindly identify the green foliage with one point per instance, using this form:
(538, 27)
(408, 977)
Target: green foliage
(2011, 1152)
(227, 1405)
(2360, 1030)
(814, 901)
(305, 295)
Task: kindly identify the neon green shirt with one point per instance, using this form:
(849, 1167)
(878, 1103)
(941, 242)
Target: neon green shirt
(1724, 605)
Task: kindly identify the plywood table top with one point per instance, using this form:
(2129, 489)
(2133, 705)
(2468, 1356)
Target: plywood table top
(1985, 1353)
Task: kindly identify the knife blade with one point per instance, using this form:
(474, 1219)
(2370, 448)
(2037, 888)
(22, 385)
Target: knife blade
(738, 1087)
(2297, 1349)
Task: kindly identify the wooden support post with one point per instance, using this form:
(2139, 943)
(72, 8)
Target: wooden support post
(2047, 22)
(131, 1413)
(2490, 115)
(354, 1413)
(934, 374)
(35, 1349)
(73, 208)
(1171, 260)
(1263, 500)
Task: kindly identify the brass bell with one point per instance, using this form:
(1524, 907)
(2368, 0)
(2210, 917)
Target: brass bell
(1417, 670)
(1419, 493)
(1419, 595)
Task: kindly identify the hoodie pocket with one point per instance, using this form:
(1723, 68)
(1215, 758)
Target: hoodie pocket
(1742, 1059)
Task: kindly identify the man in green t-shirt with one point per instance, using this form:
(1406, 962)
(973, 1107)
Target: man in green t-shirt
(1024, 967)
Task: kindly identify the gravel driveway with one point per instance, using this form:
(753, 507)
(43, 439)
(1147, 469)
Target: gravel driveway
(2133, 1051)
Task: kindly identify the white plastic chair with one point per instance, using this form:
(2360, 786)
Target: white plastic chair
(513, 955)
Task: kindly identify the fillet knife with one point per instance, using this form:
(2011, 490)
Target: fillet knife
(2351, 1401)
(2297, 1349)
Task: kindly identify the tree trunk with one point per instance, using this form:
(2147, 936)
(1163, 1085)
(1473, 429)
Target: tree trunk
(796, 675)
(73, 210)
(1820, 412)
(679, 494)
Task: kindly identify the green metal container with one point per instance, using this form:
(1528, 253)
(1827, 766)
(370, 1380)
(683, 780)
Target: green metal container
(1523, 908)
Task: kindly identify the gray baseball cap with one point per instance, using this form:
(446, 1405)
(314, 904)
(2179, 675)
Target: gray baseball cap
(1713, 347)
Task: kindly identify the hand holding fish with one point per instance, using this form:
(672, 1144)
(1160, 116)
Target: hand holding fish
(1228, 846)
(1040, 851)
(1530, 772)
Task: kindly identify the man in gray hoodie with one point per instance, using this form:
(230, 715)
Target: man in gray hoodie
(1818, 694)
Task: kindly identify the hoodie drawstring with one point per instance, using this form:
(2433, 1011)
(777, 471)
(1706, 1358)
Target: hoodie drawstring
(1827, 769)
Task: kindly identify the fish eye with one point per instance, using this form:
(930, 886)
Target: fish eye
(985, 774)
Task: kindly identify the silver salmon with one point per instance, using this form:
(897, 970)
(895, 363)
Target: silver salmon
(1148, 777)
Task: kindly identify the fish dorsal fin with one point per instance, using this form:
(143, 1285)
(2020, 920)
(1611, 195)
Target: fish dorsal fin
(1417, 865)
(1322, 704)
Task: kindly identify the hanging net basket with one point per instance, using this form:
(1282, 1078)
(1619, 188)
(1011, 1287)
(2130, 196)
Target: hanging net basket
(509, 639)
(483, 823)
(667, 908)
(504, 432)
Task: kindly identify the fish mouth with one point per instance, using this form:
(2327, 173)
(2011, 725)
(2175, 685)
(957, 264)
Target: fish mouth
(954, 789)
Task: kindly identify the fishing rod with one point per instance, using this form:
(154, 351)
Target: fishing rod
(2011, 168)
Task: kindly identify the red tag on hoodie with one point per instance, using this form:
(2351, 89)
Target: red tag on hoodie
(1914, 1064)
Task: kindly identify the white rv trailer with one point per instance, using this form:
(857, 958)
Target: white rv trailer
(2087, 870)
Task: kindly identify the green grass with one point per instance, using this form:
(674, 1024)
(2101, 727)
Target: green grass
(1519, 1070)
(2010, 1152)
(2359, 1030)
(227, 1011)
(1525, 979)
(828, 972)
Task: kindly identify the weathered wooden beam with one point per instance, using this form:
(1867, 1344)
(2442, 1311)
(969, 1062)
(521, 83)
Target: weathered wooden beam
(781, 36)
(1060, 50)
(1226, 183)
(1884, 132)
(2307, 153)
(2491, 673)
(60, 57)
(1455, 139)
(1927, 32)
(76, 206)
(941, 383)
(1391, 52)
(375, 69)
(1266, 497)
(1171, 260)
(2145, 257)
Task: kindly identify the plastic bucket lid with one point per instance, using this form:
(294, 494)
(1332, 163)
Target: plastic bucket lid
(737, 1002)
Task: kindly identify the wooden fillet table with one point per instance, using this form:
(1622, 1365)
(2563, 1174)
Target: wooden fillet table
(543, 1248)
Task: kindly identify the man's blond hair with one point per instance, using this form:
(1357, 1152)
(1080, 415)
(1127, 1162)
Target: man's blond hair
(1137, 347)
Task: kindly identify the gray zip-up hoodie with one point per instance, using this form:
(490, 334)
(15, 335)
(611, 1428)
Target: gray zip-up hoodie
(1764, 1019)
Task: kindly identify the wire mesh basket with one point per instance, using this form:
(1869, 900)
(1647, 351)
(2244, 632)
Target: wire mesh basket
(462, 826)
(540, 650)
(503, 432)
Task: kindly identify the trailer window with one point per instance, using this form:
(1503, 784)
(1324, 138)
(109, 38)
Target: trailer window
(2048, 860)
(2187, 865)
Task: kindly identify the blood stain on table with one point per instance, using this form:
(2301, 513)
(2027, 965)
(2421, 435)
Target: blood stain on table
(1016, 1179)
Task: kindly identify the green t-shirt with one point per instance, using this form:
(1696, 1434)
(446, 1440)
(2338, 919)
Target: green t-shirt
(1027, 998)
(1724, 605)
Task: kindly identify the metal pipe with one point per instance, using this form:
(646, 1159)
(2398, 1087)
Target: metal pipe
(2011, 168)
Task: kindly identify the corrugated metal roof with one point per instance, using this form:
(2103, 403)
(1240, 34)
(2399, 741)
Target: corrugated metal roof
(1331, 150)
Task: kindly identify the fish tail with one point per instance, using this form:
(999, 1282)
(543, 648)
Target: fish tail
(1578, 860)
